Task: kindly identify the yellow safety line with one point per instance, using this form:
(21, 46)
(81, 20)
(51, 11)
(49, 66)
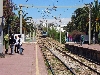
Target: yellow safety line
(37, 67)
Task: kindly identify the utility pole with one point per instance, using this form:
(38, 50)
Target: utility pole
(1, 27)
(33, 34)
(47, 26)
(89, 6)
(89, 24)
(20, 20)
(60, 33)
(30, 31)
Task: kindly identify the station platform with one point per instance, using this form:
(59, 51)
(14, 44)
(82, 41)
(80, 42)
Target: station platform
(30, 63)
(91, 46)
(91, 52)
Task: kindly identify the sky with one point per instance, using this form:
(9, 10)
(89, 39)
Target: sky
(61, 13)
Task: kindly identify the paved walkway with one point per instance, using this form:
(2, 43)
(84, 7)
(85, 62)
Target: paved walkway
(31, 63)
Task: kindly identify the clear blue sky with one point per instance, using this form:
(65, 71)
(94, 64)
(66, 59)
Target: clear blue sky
(65, 12)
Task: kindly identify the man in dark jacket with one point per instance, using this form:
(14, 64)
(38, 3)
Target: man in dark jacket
(12, 42)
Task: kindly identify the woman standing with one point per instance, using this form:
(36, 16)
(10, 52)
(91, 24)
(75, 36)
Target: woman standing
(6, 38)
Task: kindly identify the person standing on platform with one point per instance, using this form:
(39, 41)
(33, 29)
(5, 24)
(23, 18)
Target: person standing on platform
(16, 45)
(20, 44)
(6, 39)
(12, 42)
(81, 40)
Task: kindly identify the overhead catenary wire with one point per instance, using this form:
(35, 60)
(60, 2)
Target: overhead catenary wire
(32, 6)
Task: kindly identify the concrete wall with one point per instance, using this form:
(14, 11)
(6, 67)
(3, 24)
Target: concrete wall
(91, 54)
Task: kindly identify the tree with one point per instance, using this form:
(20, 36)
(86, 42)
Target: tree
(80, 20)
(7, 13)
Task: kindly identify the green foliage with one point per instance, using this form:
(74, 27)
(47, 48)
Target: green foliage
(52, 33)
(80, 20)
(44, 29)
(12, 20)
(63, 37)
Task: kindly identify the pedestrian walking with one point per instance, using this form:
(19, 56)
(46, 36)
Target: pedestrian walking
(6, 39)
(20, 45)
(16, 44)
(12, 42)
(81, 40)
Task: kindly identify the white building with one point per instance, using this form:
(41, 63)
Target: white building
(55, 27)
(58, 28)
(44, 24)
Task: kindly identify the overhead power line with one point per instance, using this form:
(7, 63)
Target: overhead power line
(32, 6)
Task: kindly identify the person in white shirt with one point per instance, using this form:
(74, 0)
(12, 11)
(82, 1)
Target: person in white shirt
(16, 45)
(20, 44)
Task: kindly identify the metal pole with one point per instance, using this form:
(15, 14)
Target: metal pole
(33, 35)
(60, 33)
(24, 35)
(89, 24)
(30, 32)
(21, 20)
(1, 28)
(47, 28)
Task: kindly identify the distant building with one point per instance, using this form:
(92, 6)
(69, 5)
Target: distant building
(58, 28)
(55, 27)
(44, 24)
(30, 21)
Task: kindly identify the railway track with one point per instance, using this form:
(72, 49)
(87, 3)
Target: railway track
(54, 64)
(92, 66)
(77, 65)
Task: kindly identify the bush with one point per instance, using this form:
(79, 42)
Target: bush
(52, 33)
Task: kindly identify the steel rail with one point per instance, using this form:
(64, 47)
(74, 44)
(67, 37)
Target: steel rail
(48, 63)
(79, 62)
(62, 62)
